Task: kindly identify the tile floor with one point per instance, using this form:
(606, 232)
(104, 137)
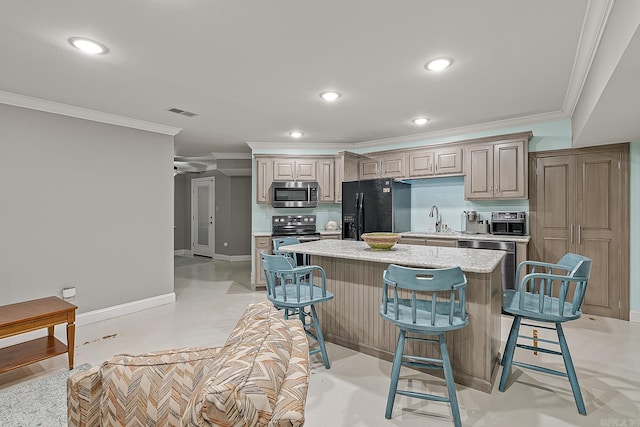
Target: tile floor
(211, 295)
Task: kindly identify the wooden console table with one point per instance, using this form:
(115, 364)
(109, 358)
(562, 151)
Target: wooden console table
(30, 316)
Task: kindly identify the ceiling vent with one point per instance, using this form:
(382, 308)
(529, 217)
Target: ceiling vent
(182, 112)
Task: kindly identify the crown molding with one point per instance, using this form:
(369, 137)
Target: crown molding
(232, 156)
(593, 26)
(263, 147)
(298, 146)
(24, 101)
(461, 131)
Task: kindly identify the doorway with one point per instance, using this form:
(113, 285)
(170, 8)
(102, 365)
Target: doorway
(202, 216)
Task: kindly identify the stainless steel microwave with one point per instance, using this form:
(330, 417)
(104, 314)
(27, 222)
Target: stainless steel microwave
(294, 194)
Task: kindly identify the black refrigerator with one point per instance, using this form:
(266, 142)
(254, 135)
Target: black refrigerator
(375, 205)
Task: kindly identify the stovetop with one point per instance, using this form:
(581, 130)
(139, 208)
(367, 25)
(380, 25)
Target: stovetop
(293, 225)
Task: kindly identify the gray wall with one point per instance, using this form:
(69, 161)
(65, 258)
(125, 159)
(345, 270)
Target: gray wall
(233, 212)
(181, 212)
(83, 204)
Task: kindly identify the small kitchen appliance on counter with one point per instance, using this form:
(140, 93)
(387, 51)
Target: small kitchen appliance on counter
(508, 223)
(474, 224)
(331, 225)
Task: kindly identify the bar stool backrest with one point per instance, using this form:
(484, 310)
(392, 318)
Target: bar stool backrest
(436, 293)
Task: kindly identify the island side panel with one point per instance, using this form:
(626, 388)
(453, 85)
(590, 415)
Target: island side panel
(352, 320)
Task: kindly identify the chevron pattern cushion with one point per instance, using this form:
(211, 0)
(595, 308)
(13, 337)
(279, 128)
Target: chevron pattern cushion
(152, 386)
(259, 378)
(246, 389)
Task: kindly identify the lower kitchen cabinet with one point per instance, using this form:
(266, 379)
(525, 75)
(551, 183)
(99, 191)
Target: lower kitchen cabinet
(413, 241)
(261, 243)
(447, 243)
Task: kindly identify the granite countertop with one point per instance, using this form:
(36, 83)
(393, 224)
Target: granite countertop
(469, 260)
(455, 235)
(330, 232)
(322, 232)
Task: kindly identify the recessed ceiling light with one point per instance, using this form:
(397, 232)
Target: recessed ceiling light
(88, 46)
(330, 95)
(420, 120)
(296, 134)
(438, 64)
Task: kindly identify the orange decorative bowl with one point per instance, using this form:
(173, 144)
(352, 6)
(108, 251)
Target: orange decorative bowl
(381, 241)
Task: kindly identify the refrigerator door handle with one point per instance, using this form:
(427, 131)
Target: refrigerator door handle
(360, 217)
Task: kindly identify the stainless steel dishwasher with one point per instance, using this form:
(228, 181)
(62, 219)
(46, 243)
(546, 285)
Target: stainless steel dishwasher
(508, 267)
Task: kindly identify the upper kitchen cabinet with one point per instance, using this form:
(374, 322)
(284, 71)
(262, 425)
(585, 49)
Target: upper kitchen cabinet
(298, 169)
(326, 180)
(346, 169)
(497, 169)
(435, 161)
(264, 172)
(391, 165)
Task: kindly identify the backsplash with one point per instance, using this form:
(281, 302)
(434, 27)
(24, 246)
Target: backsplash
(447, 194)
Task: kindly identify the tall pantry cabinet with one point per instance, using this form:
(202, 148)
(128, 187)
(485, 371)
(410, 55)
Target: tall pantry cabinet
(579, 202)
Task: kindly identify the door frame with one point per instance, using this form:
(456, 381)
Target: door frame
(211, 249)
(624, 196)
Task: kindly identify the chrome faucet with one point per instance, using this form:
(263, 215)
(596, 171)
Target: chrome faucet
(437, 216)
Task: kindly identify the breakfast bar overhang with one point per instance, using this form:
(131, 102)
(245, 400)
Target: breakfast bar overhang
(354, 275)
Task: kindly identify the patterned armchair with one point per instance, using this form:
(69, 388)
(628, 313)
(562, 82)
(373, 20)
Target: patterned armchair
(258, 378)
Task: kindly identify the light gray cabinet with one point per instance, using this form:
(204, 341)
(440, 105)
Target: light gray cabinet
(326, 180)
(346, 169)
(497, 170)
(264, 171)
(429, 241)
(299, 169)
(261, 243)
(391, 165)
(439, 161)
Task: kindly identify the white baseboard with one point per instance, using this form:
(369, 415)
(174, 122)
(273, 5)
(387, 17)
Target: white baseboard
(634, 316)
(232, 257)
(96, 316)
(126, 308)
(187, 252)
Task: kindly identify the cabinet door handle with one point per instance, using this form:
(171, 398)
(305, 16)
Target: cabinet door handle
(571, 233)
(579, 234)
(491, 188)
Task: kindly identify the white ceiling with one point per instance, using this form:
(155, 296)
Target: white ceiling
(253, 69)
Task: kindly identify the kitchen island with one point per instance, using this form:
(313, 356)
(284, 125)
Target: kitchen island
(352, 319)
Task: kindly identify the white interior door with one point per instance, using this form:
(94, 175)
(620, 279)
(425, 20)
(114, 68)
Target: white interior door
(202, 218)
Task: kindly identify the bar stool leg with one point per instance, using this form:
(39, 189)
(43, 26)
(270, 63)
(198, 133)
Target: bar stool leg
(509, 350)
(319, 337)
(451, 386)
(571, 372)
(395, 373)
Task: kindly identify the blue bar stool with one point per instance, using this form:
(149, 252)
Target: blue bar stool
(293, 289)
(285, 241)
(424, 302)
(543, 296)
